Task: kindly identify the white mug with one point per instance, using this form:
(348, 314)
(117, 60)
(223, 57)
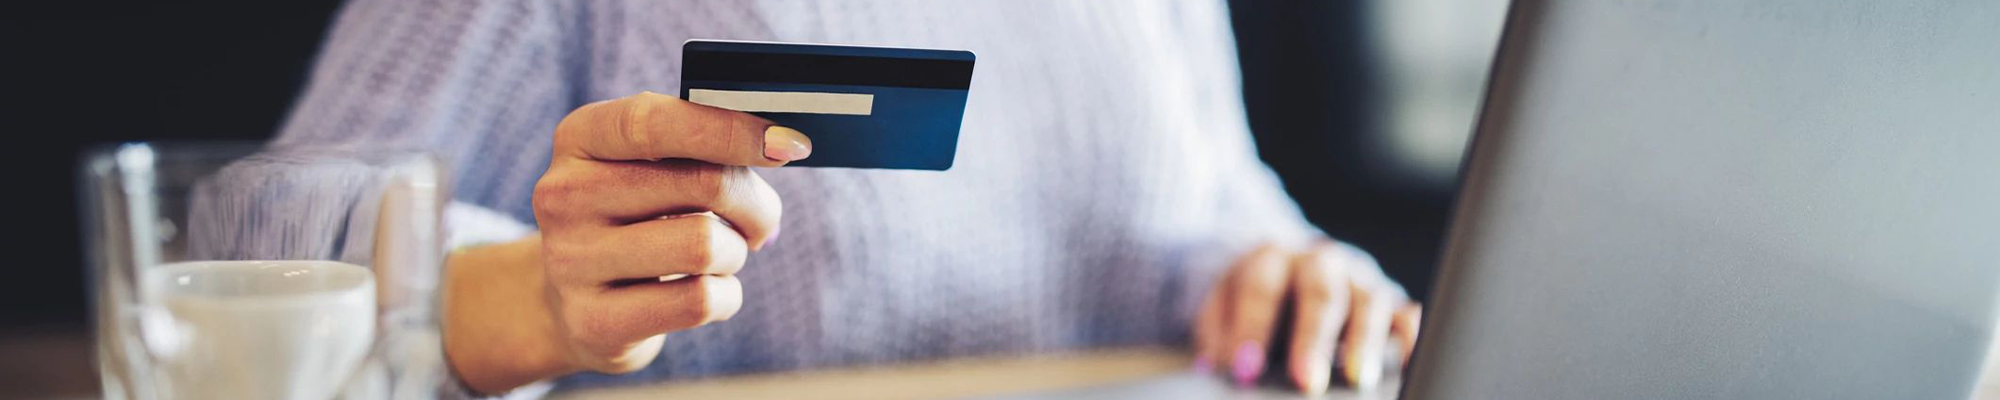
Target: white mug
(277, 330)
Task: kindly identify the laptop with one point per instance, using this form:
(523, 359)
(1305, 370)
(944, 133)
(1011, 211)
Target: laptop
(1794, 199)
(1785, 199)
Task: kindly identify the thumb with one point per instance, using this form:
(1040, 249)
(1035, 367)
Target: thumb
(653, 126)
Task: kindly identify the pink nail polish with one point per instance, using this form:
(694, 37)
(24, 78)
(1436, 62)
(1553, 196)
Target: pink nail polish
(1203, 365)
(1247, 364)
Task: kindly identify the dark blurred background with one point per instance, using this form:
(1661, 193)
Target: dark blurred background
(1363, 107)
(79, 73)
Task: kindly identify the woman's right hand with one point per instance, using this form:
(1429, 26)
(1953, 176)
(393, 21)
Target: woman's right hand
(646, 213)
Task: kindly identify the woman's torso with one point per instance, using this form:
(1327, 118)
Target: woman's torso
(1096, 143)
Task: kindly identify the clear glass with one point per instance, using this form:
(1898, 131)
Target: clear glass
(225, 270)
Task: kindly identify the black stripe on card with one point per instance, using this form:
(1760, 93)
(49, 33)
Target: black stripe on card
(826, 69)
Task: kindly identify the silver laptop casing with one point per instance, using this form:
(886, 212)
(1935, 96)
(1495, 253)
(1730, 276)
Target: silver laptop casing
(1786, 199)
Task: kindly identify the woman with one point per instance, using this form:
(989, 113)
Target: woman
(1105, 193)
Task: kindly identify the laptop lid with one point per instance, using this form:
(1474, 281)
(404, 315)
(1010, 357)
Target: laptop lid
(1778, 199)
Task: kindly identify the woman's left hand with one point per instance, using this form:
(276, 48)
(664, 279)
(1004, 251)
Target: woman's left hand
(1339, 303)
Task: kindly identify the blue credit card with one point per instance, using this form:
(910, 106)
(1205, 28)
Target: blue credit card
(863, 107)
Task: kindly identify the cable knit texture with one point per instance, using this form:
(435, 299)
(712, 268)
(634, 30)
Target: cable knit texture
(1104, 172)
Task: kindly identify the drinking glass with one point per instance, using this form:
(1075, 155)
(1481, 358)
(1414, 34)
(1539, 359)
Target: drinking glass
(236, 271)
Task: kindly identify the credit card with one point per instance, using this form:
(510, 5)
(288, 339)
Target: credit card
(863, 107)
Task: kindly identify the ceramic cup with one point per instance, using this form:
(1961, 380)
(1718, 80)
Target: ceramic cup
(278, 330)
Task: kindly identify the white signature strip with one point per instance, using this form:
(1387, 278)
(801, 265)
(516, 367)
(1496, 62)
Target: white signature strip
(789, 102)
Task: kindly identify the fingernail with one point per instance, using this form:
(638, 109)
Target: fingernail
(786, 144)
(1203, 365)
(774, 234)
(1249, 362)
(1366, 369)
(1314, 379)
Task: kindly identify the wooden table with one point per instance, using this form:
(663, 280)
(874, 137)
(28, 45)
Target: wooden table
(939, 380)
(54, 364)
(975, 378)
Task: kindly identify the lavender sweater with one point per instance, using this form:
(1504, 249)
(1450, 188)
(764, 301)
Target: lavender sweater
(1105, 173)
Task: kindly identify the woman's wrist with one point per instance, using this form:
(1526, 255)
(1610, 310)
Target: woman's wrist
(498, 329)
